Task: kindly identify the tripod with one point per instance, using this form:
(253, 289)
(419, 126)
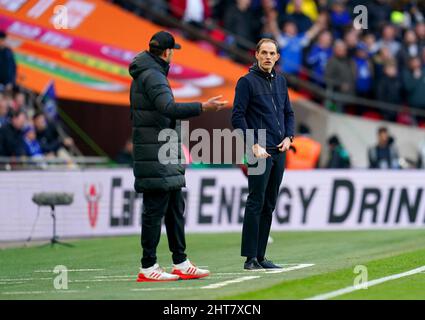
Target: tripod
(50, 200)
(54, 240)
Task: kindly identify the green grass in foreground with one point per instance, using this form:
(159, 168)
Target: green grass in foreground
(334, 255)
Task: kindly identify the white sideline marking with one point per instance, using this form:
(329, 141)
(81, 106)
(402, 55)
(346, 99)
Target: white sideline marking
(225, 283)
(296, 267)
(21, 279)
(23, 292)
(163, 289)
(24, 279)
(39, 292)
(103, 280)
(270, 271)
(71, 270)
(346, 290)
(211, 286)
(111, 277)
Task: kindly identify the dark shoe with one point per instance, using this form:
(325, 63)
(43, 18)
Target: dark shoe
(266, 264)
(252, 265)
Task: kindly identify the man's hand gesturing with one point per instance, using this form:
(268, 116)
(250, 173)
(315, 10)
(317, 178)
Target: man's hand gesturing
(214, 104)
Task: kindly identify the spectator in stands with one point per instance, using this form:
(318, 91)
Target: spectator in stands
(307, 153)
(413, 15)
(389, 89)
(370, 40)
(7, 64)
(292, 44)
(238, 20)
(32, 146)
(364, 71)
(48, 136)
(157, 6)
(379, 14)
(11, 136)
(384, 155)
(4, 111)
(307, 7)
(414, 83)
(388, 40)
(409, 49)
(194, 12)
(351, 39)
(338, 156)
(340, 17)
(125, 156)
(421, 156)
(381, 59)
(319, 56)
(340, 70)
(423, 56)
(296, 15)
(420, 33)
(20, 102)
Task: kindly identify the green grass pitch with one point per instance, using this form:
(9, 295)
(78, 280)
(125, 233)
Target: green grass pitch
(106, 268)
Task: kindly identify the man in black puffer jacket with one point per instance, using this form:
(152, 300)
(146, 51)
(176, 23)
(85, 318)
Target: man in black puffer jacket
(153, 109)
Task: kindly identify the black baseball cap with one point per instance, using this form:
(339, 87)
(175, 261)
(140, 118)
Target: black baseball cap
(163, 40)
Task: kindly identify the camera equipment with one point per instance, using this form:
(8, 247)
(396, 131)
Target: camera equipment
(51, 199)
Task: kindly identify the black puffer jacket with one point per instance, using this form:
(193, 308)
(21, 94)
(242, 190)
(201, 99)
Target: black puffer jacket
(153, 109)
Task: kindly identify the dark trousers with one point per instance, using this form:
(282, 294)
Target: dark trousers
(260, 204)
(157, 205)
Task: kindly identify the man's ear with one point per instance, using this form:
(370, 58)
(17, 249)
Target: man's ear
(277, 57)
(256, 55)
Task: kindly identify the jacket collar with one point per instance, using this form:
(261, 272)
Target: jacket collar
(164, 65)
(256, 69)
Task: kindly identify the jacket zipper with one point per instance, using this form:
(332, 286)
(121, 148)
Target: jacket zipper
(274, 105)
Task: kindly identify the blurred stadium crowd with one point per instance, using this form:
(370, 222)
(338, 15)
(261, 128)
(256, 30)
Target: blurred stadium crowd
(26, 132)
(383, 60)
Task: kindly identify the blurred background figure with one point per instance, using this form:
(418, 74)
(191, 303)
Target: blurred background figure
(292, 43)
(307, 153)
(125, 156)
(389, 89)
(340, 70)
(421, 156)
(7, 64)
(385, 154)
(409, 49)
(32, 145)
(364, 71)
(414, 83)
(338, 156)
(4, 110)
(319, 55)
(238, 20)
(12, 136)
(47, 135)
(388, 39)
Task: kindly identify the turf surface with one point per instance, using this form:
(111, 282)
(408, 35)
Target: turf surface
(26, 273)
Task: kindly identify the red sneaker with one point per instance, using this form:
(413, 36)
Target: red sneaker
(187, 270)
(155, 274)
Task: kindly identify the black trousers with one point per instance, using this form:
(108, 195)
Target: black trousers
(260, 204)
(157, 205)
